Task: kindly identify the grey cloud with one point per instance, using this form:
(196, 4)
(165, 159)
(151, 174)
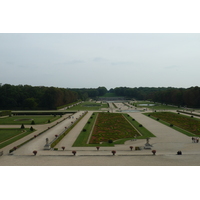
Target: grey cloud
(122, 63)
(74, 62)
(99, 59)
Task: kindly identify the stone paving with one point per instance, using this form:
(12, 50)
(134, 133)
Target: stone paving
(167, 142)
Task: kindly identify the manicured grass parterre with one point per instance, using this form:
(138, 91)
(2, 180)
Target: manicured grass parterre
(111, 126)
(190, 124)
(27, 119)
(89, 106)
(8, 136)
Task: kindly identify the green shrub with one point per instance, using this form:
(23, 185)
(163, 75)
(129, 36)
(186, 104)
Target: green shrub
(140, 125)
(110, 141)
(22, 126)
(33, 122)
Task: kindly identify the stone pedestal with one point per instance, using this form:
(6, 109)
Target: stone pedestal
(47, 146)
(147, 145)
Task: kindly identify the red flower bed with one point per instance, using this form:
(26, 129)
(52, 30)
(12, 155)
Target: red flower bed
(111, 126)
(190, 124)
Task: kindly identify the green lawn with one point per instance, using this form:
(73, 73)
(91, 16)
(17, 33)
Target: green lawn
(89, 106)
(27, 119)
(112, 130)
(184, 124)
(8, 136)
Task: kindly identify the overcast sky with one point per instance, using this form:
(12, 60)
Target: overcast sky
(76, 44)
(92, 60)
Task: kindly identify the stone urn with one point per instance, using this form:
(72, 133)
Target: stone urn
(97, 148)
(113, 152)
(154, 152)
(74, 152)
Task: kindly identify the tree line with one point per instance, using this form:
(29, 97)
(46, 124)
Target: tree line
(26, 97)
(85, 93)
(182, 97)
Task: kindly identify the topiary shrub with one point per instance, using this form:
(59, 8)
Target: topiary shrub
(110, 141)
(140, 125)
(84, 130)
(31, 129)
(22, 126)
(133, 119)
(157, 119)
(171, 125)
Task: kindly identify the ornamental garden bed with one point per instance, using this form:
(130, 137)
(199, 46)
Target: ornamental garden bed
(27, 119)
(190, 124)
(111, 126)
(108, 129)
(89, 106)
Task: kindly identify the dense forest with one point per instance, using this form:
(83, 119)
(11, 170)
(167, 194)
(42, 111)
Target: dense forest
(26, 97)
(183, 97)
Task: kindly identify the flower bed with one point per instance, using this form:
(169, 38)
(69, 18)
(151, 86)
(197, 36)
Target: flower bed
(111, 126)
(187, 123)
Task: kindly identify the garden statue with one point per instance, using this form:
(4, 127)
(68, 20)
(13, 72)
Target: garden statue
(47, 141)
(147, 145)
(47, 146)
